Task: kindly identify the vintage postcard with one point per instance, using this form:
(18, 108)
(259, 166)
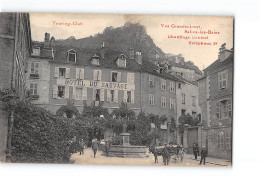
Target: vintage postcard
(144, 90)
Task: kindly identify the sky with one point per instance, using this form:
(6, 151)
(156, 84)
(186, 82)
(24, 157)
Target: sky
(84, 25)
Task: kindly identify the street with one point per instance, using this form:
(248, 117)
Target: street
(88, 158)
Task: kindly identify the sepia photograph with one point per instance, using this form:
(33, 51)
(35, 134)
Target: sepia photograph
(116, 89)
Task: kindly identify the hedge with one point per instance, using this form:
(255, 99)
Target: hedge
(38, 136)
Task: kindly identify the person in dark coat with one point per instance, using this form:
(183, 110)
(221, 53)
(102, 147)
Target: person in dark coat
(82, 146)
(95, 146)
(195, 150)
(204, 154)
(165, 155)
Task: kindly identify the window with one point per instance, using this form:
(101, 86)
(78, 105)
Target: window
(221, 141)
(179, 85)
(222, 79)
(171, 86)
(151, 99)
(193, 101)
(61, 91)
(183, 112)
(112, 95)
(163, 102)
(62, 72)
(193, 114)
(121, 61)
(151, 81)
(128, 96)
(79, 73)
(79, 93)
(112, 92)
(171, 103)
(97, 75)
(95, 62)
(114, 76)
(35, 68)
(33, 89)
(223, 109)
(36, 52)
(228, 141)
(72, 55)
(224, 141)
(97, 94)
(183, 98)
(163, 84)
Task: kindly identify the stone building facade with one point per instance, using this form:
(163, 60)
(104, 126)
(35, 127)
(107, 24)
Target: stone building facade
(216, 99)
(59, 73)
(15, 48)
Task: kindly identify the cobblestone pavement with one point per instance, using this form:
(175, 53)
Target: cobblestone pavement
(88, 158)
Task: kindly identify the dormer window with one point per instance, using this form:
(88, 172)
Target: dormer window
(121, 61)
(95, 60)
(36, 51)
(71, 54)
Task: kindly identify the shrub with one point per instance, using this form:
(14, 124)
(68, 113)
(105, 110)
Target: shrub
(38, 136)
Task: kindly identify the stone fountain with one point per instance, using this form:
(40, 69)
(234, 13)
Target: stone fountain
(126, 150)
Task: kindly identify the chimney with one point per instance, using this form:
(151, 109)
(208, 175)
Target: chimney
(103, 50)
(47, 38)
(131, 53)
(139, 58)
(224, 54)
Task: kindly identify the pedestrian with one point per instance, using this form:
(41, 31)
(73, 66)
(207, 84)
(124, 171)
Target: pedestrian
(165, 155)
(82, 146)
(107, 146)
(204, 154)
(181, 153)
(95, 146)
(195, 150)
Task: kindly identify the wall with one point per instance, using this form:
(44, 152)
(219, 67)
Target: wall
(14, 46)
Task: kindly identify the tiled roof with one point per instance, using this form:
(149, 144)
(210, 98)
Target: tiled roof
(83, 58)
(219, 64)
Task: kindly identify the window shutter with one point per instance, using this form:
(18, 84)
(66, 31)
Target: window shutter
(56, 72)
(84, 93)
(220, 80)
(217, 110)
(36, 67)
(67, 89)
(55, 91)
(130, 78)
(67, 72)
(81, 73)
(95, 75)
(94, 94)
(132, 96)
(102, 95)
(108, 95)
(99, 75)
(77, 73)
(116, 96)
(119, 77)
(162, 101)
(74, 92)
(125, 96)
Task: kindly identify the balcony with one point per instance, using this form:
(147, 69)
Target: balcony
(34, 76)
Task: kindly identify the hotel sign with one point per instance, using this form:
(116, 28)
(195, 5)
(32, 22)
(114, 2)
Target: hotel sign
(96, 84)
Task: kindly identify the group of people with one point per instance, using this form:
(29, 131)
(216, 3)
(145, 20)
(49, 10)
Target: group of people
(166, 153)
(73, 146)
(203, 153)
